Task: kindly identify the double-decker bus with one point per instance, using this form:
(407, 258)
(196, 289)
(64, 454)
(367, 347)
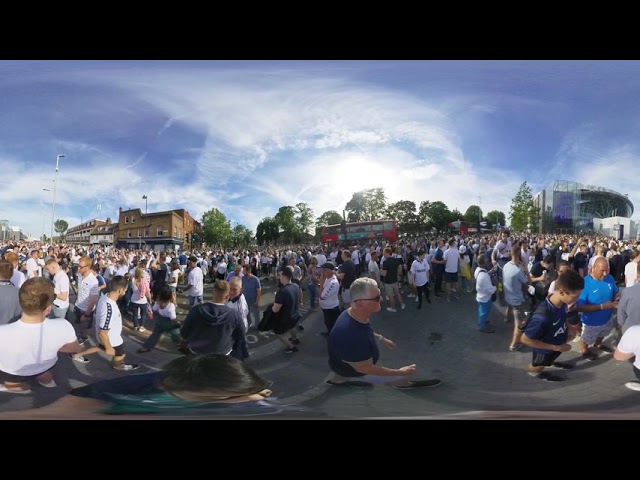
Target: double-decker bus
(463, 226)
(385, 230)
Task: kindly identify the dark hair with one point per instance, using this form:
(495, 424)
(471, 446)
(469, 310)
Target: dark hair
(548, 259)
(482, 261)
(6, 270)
(570, 280)
(287, 272)
(117, 283)
(223, 374)
(164, 296)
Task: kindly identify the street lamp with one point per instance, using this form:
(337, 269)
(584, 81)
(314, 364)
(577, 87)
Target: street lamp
(55, 184)
(43, 214)
(144, 197)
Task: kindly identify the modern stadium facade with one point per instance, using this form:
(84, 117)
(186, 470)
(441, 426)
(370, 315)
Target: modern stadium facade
(574, 208)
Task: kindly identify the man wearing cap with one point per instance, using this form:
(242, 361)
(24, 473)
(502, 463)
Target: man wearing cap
(329, 302)
(195, 283)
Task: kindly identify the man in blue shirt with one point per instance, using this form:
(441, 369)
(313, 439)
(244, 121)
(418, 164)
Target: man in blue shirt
(252, 292)
(353, 351)
(546, 330)
(599, 297)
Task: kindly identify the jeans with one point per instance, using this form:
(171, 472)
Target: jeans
(483, 313)
(57, 312)
(139, 312)
(312, 293)
(163, 325)
(194, 300)
(255, 315)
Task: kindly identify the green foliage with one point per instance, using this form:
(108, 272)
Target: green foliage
(241, 235)
(495, 217)
(439, 215)
(366, 205)
(405, 213)
(304, 219)
(286, 223)
(473, 214)
(524, 215)
(216, 228)
(267, 231)
(330, 217)
(60, 226)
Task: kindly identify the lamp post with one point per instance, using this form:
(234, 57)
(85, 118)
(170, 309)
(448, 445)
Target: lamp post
(144, 197)
(43, 214)
(55, 184)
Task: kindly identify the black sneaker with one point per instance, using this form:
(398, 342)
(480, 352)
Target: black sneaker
(295, 341)
(605, 348)
(434, 382)
(547, 377)
(291, 350)
(590, 356)
(300, 327)
(127, 367)
(562, 366)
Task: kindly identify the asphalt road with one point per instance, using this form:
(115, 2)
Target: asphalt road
(481, 377)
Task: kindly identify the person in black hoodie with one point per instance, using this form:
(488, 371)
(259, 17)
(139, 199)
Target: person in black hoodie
(212, 327)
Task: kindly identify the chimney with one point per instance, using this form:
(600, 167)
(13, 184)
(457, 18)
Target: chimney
(108, 220)
(119, 210)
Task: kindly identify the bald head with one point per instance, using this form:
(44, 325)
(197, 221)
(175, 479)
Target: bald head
(600, 268)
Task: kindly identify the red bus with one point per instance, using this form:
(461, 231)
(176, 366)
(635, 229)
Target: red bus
(386, 230)
(463, 226)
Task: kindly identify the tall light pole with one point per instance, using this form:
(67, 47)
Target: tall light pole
(55, 184)
(144, 197)
(43, 214)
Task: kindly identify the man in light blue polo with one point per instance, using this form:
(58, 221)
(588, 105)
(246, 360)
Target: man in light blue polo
(596, 304)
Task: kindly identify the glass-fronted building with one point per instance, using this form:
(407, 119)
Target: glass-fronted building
(570, 207)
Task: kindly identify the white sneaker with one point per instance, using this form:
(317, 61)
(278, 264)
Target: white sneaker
(142, 329)
(402, 306)
(51, 384)
(389, 309)
(635, 386)
(80, 359)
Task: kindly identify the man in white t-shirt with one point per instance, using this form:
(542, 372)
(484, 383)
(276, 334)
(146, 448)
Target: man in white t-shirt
(374, 268)
(420, 270)
(60, 288)
(195, 283)
(33, 268)
(451, 258)
(108, 328)
(29, 347)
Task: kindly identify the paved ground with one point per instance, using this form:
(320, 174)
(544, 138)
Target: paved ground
(481, 377)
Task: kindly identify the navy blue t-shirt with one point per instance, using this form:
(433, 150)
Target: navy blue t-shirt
(351, 341)
(549, 325)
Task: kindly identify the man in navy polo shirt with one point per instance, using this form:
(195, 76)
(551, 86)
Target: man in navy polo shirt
(353, 351)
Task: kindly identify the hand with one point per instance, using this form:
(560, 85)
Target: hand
(565, 347)
(390, 344)
(408, 370)
(613, 304)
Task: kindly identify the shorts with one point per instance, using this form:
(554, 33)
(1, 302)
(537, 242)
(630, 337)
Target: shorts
(451, 277)
(119, 349)
(539, 359)
(591, 333)
(518, 315)
(391, 289)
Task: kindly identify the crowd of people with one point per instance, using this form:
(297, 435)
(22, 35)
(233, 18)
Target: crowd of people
(554, 289)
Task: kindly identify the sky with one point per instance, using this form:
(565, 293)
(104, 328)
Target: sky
(248, 137)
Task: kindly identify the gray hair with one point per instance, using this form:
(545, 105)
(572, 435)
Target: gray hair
(360, 287)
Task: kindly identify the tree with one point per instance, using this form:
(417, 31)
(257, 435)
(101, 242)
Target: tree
(524, 214)
(304, 218)
(439, 215)
(267, 231)
(473, 214)
(495, 217)
(60, 226)
(242, 235)
(216, 228)
(330, 217)
(367, 205)
(423, 215)
(404, 211)
(456, 215)
(286, 222)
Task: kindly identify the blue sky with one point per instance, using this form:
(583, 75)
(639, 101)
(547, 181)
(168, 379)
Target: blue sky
(247, 137)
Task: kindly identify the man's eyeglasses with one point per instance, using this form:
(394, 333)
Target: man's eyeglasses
(377, 299)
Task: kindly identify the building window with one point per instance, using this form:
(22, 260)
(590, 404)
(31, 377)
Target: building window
(175, 231)
(146, 232)
(133, 219)
(129, 233)
(126, 219)
(160, 232)
(139, 233)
